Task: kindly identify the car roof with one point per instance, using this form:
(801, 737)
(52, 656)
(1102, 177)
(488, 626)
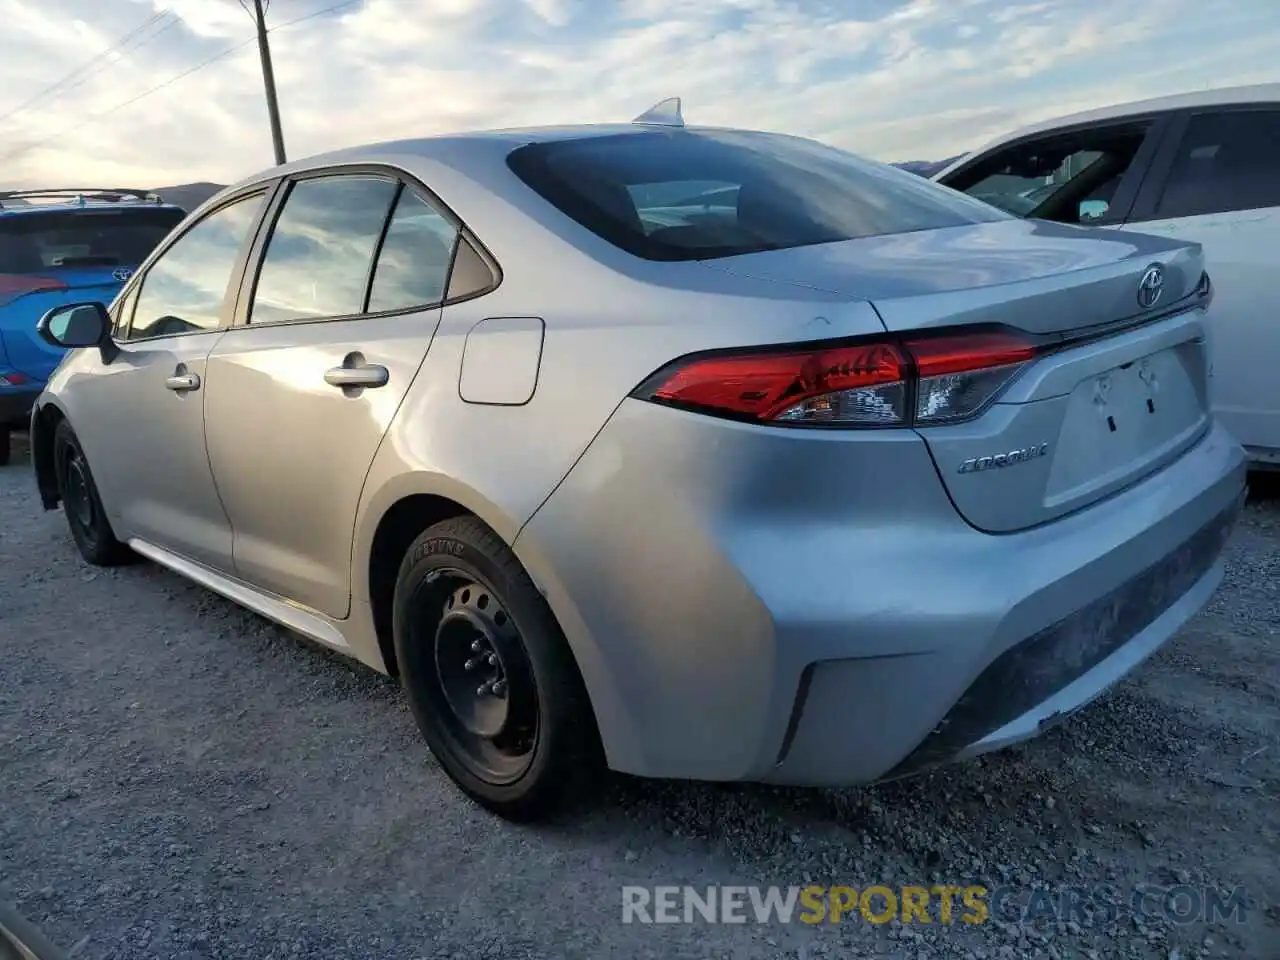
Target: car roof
(1223, 96)
(454, 149)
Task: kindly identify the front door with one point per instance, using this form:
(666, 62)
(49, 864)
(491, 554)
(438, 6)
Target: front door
(143, 413)
(301, 393)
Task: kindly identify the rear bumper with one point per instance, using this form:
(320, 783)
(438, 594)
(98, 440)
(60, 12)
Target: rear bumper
(748, 604)
(1059, 669)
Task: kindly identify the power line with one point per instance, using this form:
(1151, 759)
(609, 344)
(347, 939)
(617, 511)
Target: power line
(107, 64)
(27, 147)
(315, 13)
(82, 73)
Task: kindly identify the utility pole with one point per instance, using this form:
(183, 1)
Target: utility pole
(269, 79)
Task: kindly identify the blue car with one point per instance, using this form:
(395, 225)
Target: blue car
(62, 246)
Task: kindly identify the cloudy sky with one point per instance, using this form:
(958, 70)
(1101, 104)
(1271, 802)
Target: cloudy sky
(891, 79)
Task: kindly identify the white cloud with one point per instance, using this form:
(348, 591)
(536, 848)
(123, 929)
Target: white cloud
(894, 79)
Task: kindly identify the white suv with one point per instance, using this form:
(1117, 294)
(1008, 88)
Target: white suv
(1203, 167)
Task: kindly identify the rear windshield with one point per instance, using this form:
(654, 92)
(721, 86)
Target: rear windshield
(39, 242)
(697, 195)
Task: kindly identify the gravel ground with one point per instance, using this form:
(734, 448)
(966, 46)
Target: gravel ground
(181, 779)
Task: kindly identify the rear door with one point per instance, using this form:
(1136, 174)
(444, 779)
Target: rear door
(50, 257)
(1218, 183)
(301, 391)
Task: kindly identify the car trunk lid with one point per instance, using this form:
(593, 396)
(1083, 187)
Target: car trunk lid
(1119, 389)
(1035, 276)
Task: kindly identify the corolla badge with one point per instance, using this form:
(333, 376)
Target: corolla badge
(1150, 286)
(121, 274)
(998, 460)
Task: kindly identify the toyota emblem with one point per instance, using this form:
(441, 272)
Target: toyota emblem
(1151, 286)
(122, 274)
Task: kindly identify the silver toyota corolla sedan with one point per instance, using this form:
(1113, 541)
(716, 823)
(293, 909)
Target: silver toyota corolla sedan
(694, 453)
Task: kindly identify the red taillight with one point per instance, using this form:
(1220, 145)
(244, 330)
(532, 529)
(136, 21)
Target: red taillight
(925, 380)
(959, 375)
(774, 386)
(15, 285)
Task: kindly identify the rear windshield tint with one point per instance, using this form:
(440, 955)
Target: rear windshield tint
(697, 195)
(40, 242)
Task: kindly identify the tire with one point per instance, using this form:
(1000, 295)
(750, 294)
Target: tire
(466, 617)
(82, 505)
(6, 445)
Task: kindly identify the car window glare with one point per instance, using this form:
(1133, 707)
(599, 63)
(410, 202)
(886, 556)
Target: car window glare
(184, 290)
(413, 264)
(317, 259)
(681, 195)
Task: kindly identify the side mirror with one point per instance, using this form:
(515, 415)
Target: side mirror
(75, 325)
(1093, 209)
(79, 325)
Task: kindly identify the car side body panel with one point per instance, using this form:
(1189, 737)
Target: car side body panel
(595, 349)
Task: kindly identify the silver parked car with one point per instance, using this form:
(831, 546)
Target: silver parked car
(838, 477)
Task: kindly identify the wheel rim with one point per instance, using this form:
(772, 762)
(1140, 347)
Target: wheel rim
(77, 494)
(484, 696)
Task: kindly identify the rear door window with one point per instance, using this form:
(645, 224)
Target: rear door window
(697, 194)
(318, 259)
(1070, 178)
(51, 240)
(413, 264)
(1225, 161)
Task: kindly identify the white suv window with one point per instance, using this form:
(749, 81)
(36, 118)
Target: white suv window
(1027, 178)
(1226, 161)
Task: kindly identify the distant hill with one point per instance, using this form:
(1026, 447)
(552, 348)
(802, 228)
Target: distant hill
(189, 195)
(926, 168)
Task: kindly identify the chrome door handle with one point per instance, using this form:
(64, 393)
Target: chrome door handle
(367, 375)
(182, 382)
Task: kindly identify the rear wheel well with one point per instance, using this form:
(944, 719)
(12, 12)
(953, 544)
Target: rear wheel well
(42, 455)
(397, 529)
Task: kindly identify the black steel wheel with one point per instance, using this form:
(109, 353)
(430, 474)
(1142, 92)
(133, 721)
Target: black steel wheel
(90, 527)
(483, 690)
(489, 676)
